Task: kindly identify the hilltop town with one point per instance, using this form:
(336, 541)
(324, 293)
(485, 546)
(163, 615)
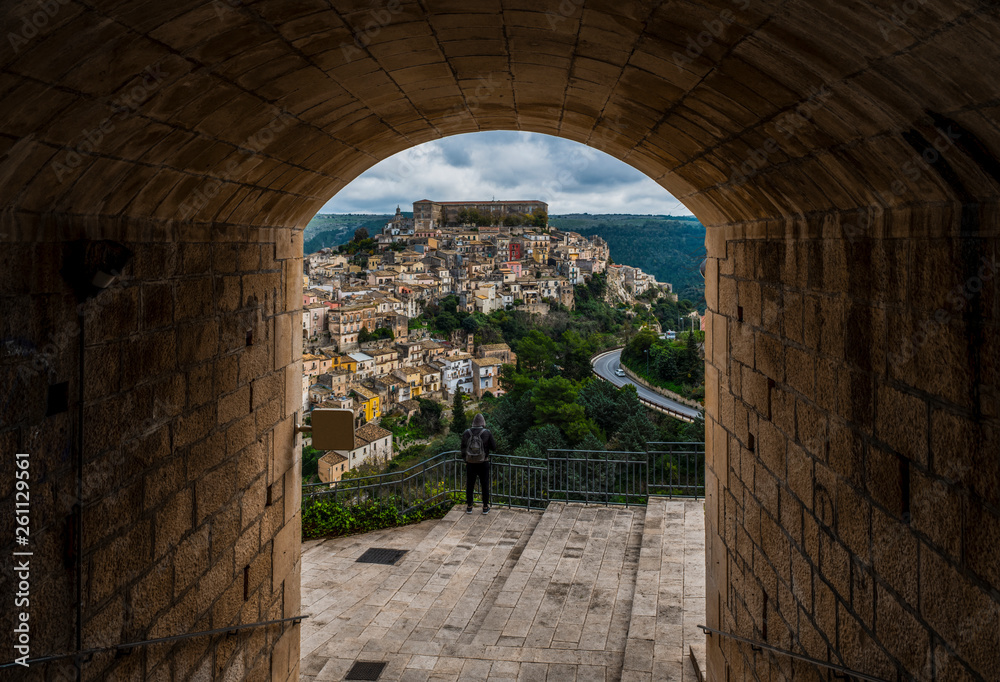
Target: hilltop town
(363, 348)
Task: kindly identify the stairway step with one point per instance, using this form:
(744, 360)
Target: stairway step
(669, 598)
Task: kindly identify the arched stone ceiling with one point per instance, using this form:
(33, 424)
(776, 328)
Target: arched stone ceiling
(258, 112)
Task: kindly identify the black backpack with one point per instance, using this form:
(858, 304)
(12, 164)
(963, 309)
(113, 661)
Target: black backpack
(475, 451)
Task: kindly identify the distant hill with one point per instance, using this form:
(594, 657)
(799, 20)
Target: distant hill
(670, 248)
(330, 229)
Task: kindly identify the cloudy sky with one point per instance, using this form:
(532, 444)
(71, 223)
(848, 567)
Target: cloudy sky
(571, 177)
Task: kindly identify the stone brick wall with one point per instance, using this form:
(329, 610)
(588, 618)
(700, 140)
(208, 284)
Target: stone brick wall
(191, 490)
(853, 477)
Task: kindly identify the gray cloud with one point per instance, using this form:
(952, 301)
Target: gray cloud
(571, 177)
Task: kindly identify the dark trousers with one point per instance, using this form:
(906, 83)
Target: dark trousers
(482, 472)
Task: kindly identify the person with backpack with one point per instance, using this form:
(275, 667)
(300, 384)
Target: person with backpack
(477, 444)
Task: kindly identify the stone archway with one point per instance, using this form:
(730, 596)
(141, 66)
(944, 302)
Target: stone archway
(843, 159)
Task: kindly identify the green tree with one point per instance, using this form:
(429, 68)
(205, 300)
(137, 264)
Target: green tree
(555, 403)
(459, 420)
(536, 352)
(635, 432)
(446, 322)
(428, 418)
(545, 437)
(360, 234)
(310, 461)
(691, 362)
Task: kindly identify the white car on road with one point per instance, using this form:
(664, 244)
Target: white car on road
(619, 372)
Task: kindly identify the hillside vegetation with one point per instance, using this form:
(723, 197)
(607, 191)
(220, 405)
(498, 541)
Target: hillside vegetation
(332, 230)
(670, 248)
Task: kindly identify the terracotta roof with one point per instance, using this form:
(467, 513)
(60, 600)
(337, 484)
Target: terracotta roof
(370, 432)
(332, 458)
(364, 392)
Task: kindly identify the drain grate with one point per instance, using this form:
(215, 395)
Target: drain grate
(365, 670)
(380, 555)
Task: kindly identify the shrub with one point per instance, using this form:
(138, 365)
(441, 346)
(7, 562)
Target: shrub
(327, 518)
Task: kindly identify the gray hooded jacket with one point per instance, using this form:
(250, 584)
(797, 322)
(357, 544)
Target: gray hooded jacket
(479, 424)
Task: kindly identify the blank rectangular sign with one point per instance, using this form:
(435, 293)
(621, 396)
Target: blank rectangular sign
(333, 429)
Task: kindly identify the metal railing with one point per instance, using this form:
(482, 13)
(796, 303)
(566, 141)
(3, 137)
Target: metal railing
(838, 670)
(588, 476)
(85, 655)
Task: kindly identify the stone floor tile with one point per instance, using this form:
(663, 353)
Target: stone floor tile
(545, 596)
(562, 672)
(422, 662)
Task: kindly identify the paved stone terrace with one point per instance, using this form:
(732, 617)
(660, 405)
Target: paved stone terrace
(574, 593)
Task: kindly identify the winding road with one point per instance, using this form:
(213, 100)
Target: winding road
(605, 366)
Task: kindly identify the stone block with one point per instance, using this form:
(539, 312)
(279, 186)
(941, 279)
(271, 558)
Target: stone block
(936, 511)
(241, 434)
(770, 446)
(292, 598)
(226, 528)
(285, 551)
(266, 416)
(800, 371)
(284, 329)
(902, 422)
(196, 258)
(214, 489)
(853, 520)
(172, 521)
(152, 593)
(226, 373)
(191, 560)
(119, 562)
(252, 502)
(234, 405)
(293, 389)
(966, 452)
(199, 385)
(228, 292)
(157, 305)
(247, 545)
(288, 244)
(197, 342)
(845, 453)
(982, 540)
(769, 357)
(292, 291)
(972, 631)
(293, 490)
